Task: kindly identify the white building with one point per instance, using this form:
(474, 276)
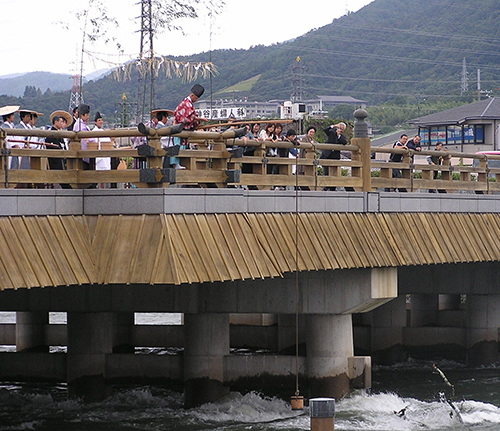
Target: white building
(221, 108)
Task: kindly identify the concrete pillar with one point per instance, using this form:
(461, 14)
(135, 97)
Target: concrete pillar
(206, 342)
(90, 339)
(424, 309)
(387, 323)
(483, 323)
(286, 333)
(449, 302)
(122, 335)
(329, 345)
(30, 331)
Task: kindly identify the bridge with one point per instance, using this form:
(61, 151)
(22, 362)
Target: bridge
(247, 269)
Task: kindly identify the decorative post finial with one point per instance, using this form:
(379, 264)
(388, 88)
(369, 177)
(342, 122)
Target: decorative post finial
(360, 125)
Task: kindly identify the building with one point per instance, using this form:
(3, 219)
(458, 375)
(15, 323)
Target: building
(469, 128)
(324, 103)
(221, 108)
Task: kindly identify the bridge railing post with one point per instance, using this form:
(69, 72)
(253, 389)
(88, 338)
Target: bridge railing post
(362, 140)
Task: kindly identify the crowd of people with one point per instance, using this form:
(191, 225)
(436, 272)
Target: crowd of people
(60, 120)
(264, 131)
(403, 143)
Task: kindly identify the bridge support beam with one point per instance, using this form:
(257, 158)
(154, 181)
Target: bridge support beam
(30, 331)
(206, 342)
(329, 342)
(483, 323)
(90, 339)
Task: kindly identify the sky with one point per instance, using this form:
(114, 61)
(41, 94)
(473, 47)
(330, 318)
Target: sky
(39, 38)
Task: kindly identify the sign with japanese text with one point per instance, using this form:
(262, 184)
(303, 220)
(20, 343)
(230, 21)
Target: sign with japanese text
(222, 113)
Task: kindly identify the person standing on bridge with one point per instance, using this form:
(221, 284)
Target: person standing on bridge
(185, 113)
(7, 113)
(398, 158)
(81, 126)
(60, 121)
(335, 135)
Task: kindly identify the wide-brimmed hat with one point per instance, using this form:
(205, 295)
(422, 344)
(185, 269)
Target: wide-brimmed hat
(7, 110)
(66, 115)
(168, 111)
(30, 112)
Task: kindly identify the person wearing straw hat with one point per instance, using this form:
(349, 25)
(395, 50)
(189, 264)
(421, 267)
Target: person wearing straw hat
(7, 113)
(60, 120)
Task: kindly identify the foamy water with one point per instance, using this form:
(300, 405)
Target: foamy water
(156, 409)
(412, 387)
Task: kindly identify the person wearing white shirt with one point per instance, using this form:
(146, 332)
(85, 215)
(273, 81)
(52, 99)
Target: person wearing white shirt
(101, 163)
(7, 113)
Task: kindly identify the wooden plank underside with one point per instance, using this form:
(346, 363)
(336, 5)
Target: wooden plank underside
(39, 251)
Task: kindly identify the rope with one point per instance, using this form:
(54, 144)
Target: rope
(297, 274)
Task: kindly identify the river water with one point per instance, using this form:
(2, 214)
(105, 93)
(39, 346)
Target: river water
(412, 386)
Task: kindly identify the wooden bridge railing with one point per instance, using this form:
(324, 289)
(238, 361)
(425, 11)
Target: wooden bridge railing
(220, 161)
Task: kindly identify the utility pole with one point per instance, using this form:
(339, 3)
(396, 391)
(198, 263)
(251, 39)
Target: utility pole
(465, 84)
(478, 85)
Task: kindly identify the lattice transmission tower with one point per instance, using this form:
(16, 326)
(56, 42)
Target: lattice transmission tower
(76, 96)
(146, 63)
(298, 92)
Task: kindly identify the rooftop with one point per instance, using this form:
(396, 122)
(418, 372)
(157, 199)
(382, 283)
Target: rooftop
(488, 109)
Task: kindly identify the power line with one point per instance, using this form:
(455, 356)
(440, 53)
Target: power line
(371, 41)
(305, 50)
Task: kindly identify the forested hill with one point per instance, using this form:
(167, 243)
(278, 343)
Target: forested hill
(390, 50)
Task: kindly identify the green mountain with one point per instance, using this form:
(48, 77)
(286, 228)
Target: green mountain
(397, 51)
(15, 85)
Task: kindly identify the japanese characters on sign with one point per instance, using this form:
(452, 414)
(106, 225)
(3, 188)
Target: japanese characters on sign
(222, 113)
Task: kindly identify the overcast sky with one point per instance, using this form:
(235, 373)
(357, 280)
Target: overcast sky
(35, 38)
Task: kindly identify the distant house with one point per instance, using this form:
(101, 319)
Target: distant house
(469, 128)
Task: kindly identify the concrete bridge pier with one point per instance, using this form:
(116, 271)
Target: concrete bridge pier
(30, 331)
(90, 339)
(424, 309)
(483, 323)
(329, 341)
(122, 336)
(387, 324)
(206, 342)
(287, 324)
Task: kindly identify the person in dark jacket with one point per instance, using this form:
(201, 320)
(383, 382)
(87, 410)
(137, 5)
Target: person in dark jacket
(60, 121)
(334, 135)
